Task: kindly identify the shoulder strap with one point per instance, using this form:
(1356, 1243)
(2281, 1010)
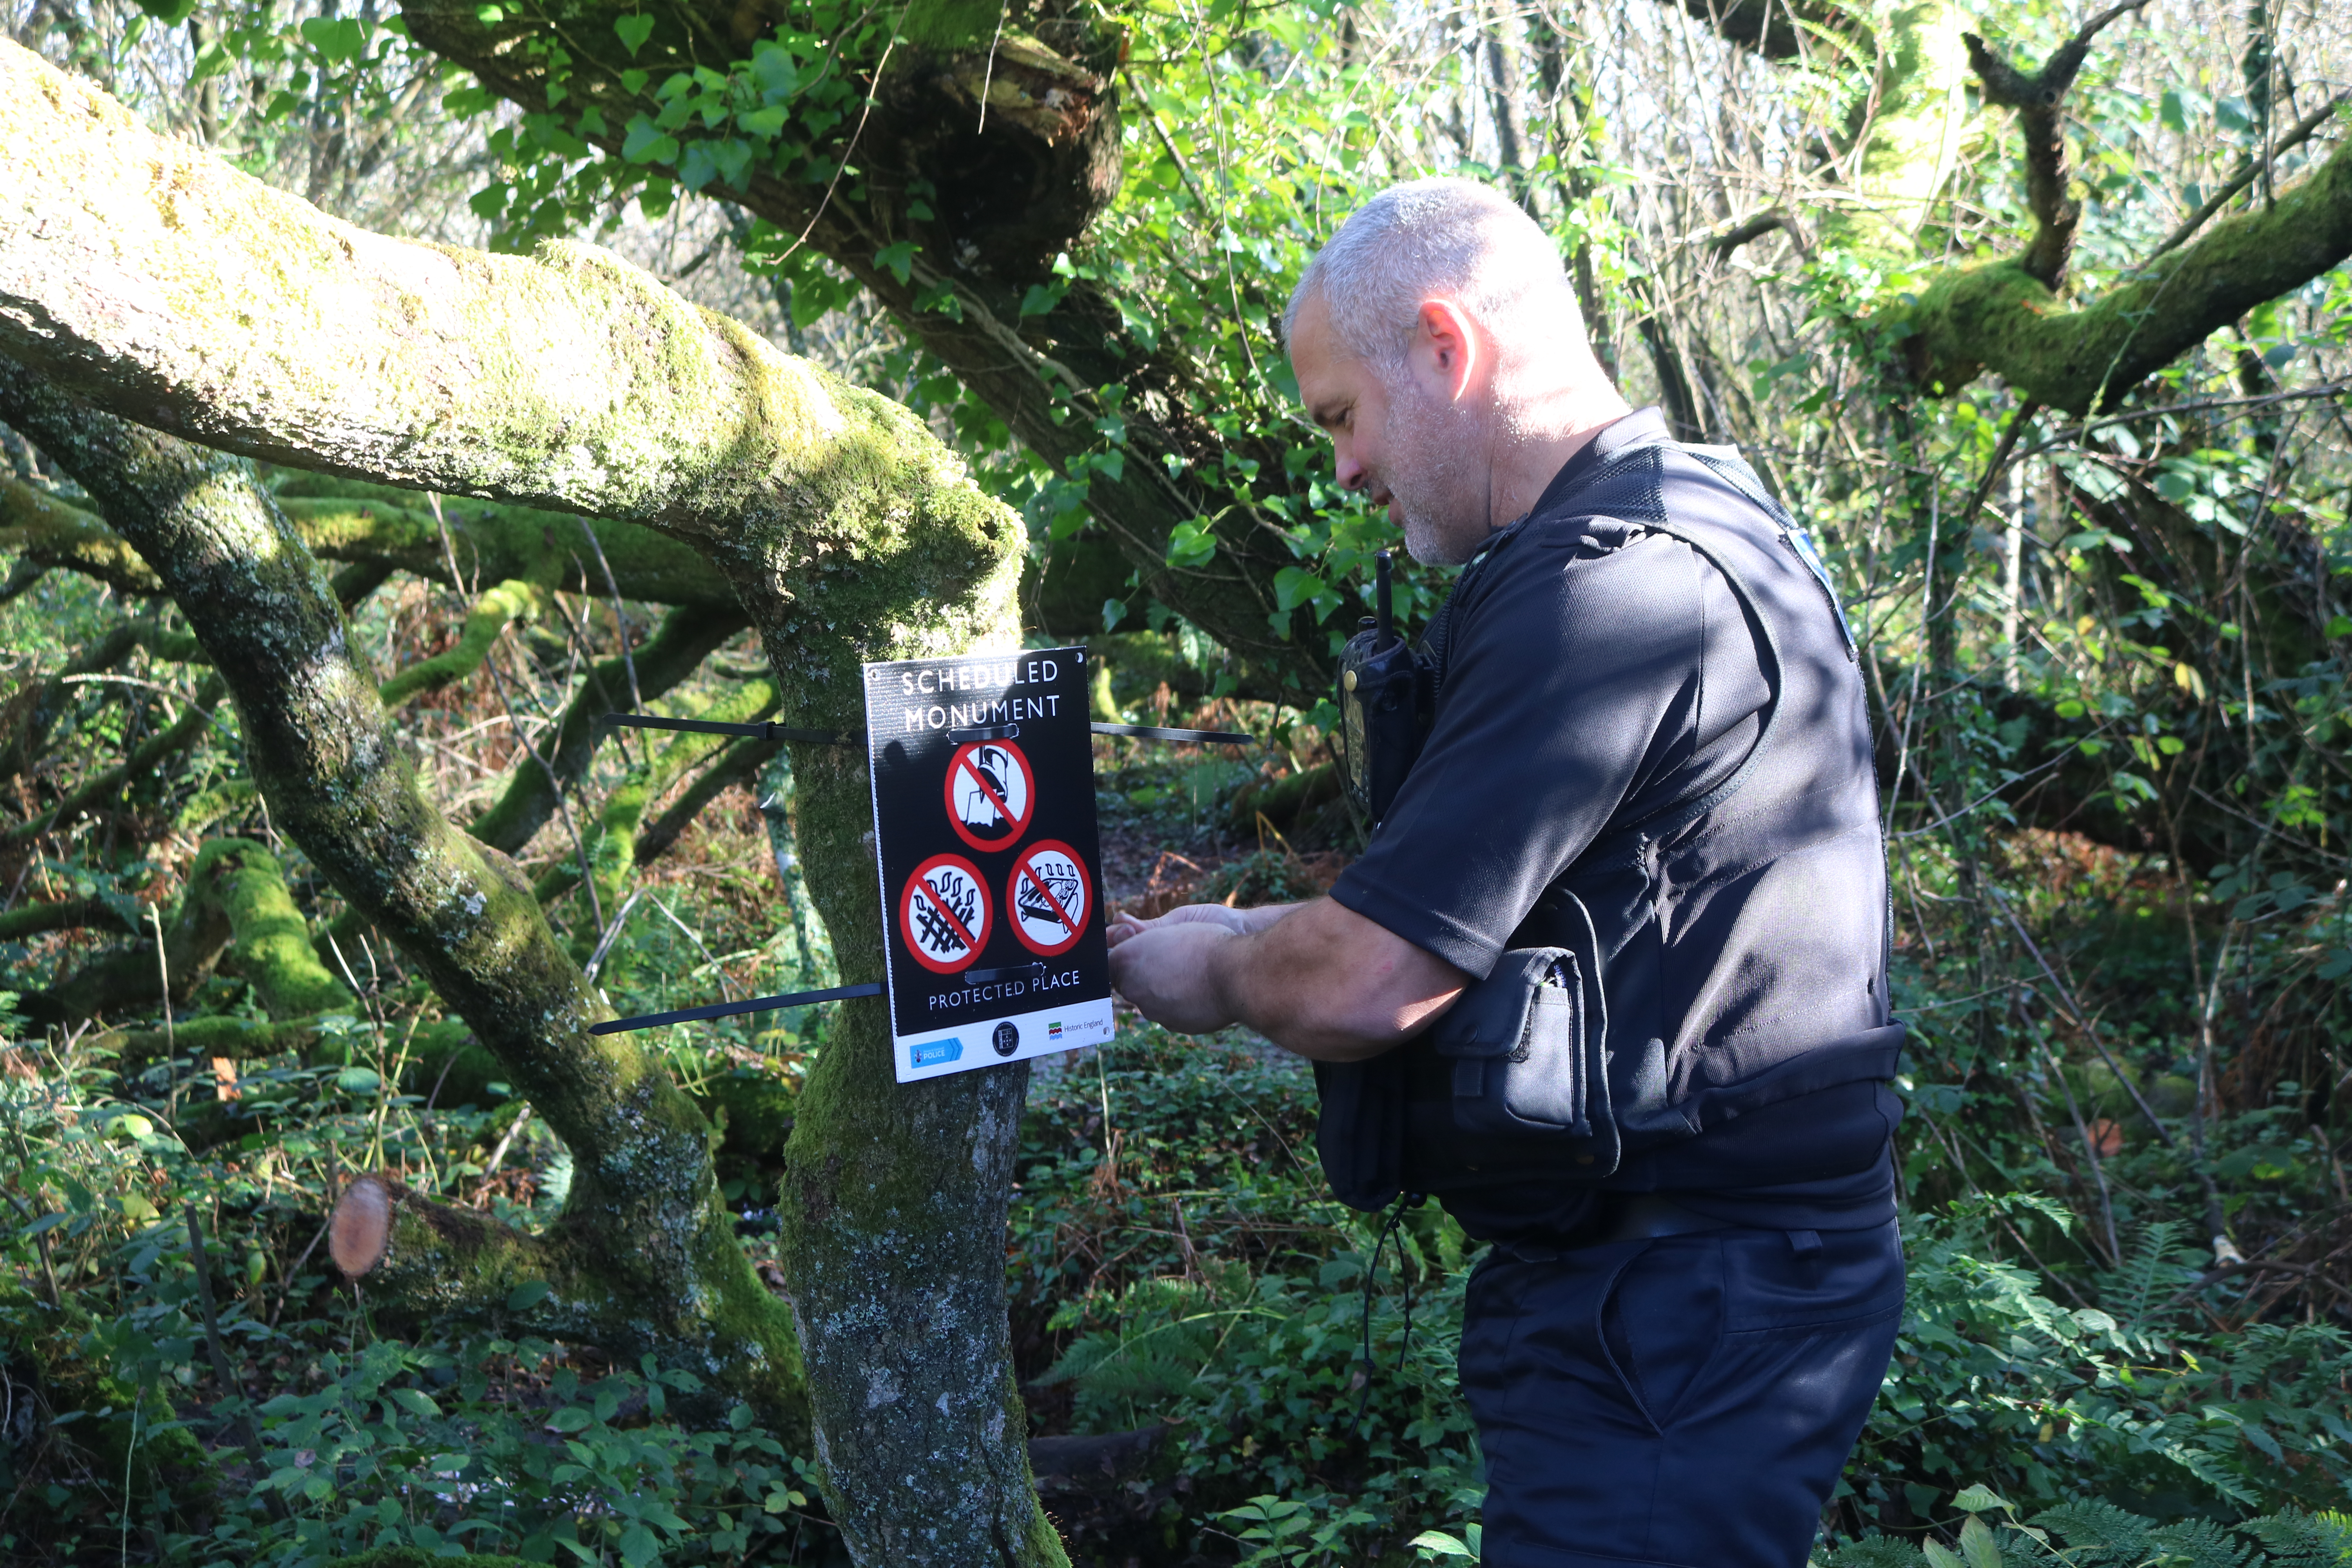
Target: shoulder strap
(1668, 820)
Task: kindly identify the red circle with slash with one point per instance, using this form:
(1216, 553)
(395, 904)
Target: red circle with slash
(1049, 897)
(991, 794)
(943, 913)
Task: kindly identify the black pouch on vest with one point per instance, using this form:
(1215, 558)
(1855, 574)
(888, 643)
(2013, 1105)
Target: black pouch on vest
(1359, 1129)
(1512, 1083)
(1523, 1046)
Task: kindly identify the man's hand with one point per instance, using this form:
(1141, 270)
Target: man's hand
(1318, 978)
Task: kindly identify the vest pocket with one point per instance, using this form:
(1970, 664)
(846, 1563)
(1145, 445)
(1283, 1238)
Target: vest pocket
(1516, 1045)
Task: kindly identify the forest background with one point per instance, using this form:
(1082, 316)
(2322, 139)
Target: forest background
(326, 546)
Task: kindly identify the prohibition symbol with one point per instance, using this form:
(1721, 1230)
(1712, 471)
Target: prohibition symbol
(1048, 897)
(943, 913)
(990, 800)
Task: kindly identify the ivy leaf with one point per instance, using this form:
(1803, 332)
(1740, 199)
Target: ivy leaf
(732, 157)
(645, 144)
(1294, 587)
(764, 124)
(634, 31)
(339, 39)
(899, 259)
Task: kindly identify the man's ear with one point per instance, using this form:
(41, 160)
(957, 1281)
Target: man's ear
(1446, 348)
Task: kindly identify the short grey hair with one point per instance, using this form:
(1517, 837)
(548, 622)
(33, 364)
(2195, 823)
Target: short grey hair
(1453, 238)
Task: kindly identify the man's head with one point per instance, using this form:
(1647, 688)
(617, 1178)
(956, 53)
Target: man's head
(1437, 341)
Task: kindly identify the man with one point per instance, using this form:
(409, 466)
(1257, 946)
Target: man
(1650, 749)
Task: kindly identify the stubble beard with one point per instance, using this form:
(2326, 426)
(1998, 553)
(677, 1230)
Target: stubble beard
(1431, 444)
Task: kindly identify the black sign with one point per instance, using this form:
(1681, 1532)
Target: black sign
(984, 823)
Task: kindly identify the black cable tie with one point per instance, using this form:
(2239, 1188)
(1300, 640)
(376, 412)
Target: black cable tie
(1153, 732)
(766, 729)
(729, 1009)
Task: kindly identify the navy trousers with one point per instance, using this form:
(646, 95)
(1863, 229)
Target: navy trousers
(1683, 1401)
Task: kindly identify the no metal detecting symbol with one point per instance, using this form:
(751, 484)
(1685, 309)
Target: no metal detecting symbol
(943, 913)
(1048, 898)
(990, 797)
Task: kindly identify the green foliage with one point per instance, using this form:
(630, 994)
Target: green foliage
(2099, 1535)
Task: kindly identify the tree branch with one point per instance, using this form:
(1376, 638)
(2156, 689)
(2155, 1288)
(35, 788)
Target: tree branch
(686, 637)
(1999, 318)
(2294, 136)
(2038, 99)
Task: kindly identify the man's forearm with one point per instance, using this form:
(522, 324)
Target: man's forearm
(1309, 982)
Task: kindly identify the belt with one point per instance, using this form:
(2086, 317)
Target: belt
(1636, 1216)
(1621, 1216)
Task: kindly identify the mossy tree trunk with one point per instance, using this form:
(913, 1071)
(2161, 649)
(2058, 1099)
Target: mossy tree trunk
(159, 284)
(339, 783)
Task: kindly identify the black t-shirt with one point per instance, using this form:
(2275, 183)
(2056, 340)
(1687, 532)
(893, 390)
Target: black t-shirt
(1595, 672)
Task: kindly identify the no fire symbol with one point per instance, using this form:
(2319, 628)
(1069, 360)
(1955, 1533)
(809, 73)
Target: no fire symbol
(989, 796)
(943, 913)
(1048, 897)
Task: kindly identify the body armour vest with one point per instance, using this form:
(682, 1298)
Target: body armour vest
(1706, 959)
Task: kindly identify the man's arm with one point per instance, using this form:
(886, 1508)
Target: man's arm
(1315, 978)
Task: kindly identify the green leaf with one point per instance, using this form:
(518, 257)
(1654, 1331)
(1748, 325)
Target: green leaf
(528, 1294)
(571, 1418)
(634, 31)
(1432, 1543)
(338, 38)
(644, 143)
(1294, 587)
(765, 123)
(898, 259)
(357, 1080)
(1977, 1545)
(414, 1401)
(489, 16)
(1978, 1499)
(639, 1546)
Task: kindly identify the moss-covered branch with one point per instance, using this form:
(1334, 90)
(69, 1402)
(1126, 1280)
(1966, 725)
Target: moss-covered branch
(48, 532)
(1998, 317)
(742, 765)
(497, 608)
(341, 785)
(66, 914)
(353, 521)
(428, 1263)
(130, 979)
(686, 637)
(613, 849)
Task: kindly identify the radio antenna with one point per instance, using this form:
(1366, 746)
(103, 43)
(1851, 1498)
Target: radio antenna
(1380, 599)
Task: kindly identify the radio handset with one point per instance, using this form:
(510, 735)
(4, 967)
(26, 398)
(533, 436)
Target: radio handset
(1385, 699)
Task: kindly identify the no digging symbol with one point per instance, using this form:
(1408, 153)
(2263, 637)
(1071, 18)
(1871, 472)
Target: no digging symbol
(989, 798)
(1048, 898)
(943, 913)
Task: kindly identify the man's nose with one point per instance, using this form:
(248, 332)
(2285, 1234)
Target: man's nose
(1351, 472)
